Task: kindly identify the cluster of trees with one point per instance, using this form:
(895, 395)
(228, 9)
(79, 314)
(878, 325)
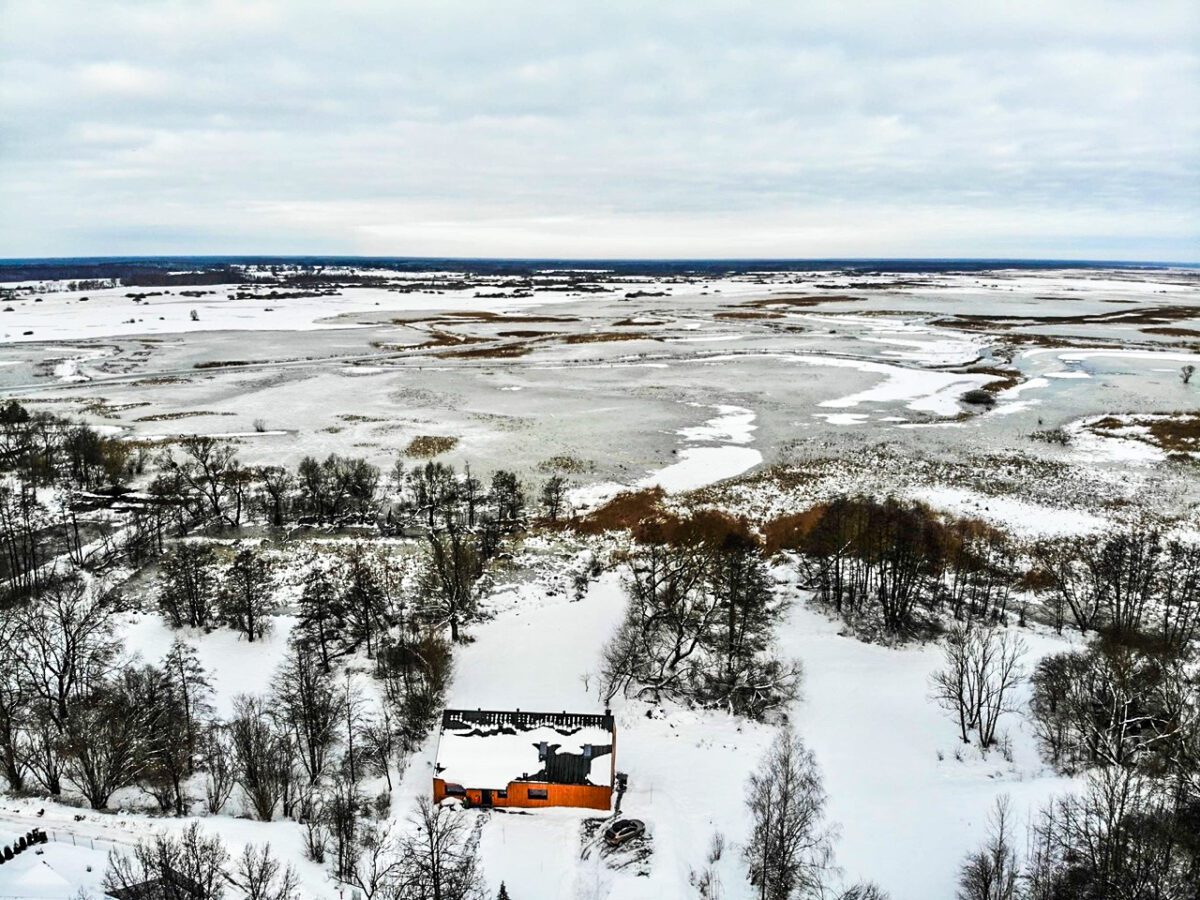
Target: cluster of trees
(885, 562)
(43, 459)
(195, 866)
(197, 590)
(1123, 835)
(434, 856)
(204, 476)
(74, 712)
(41, 449)
(700, 621)
(1113, 703)
(1134, 584)
(1125, 710)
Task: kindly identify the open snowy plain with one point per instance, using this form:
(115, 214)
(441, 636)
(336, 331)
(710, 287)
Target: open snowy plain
(760, 394)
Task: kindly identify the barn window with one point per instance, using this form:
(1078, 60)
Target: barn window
(502, 795)
(454, 790)
(538, 794)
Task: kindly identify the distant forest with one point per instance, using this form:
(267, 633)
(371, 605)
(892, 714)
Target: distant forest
(169, 271)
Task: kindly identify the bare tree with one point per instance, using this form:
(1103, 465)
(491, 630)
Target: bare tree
(187, 593)
(203, 469)
(977, 682)
(992, 872)
(790, 851)
(246, 594)
(307, 704)
(188, 867)
(220, 772)
(439, 858)
(1186, 372)
(258, 875)
(262, 756)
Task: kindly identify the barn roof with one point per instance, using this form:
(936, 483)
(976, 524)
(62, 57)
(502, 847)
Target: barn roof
(490, 748)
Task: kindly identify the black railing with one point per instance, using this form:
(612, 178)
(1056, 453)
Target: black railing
(523, 720)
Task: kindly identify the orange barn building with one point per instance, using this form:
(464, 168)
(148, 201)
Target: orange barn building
(498, 758)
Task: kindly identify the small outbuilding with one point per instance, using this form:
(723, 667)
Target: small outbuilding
(512, 758)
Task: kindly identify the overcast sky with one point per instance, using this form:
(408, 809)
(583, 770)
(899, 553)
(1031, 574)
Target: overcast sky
(1056, 128)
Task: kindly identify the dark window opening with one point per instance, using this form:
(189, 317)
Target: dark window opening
(538, 794)
(454, 790)
(503, 795)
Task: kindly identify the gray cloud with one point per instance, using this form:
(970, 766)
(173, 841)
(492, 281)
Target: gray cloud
(602, 128)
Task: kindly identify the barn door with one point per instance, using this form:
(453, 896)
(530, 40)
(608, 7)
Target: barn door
(486, 799)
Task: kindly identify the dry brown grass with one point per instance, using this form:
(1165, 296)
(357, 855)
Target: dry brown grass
(1008, 378)
(747, 314)
(599, 337)
(1179, 434)
(495, 351)
(1174, 433)
(427, 446)
(171, 417)
(803, 302)
(623, 512)
(1174, 332)
(565, 463)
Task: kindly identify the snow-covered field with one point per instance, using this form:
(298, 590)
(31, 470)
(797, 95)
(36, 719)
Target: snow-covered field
(757, 395)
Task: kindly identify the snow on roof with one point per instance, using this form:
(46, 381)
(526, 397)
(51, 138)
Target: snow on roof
(492, 754)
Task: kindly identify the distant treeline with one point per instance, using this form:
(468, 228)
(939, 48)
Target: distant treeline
(155, 270)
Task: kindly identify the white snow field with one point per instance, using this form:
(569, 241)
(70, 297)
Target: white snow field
(759, 394)
(897, 791)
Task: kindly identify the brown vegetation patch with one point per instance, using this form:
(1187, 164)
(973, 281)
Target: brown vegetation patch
(747, 314)
(171, 417)
(1150, 315)
(565, 463)
(803, 302)
(1178, 434)
(634, 323)
(525, 333)
(495, 351)
(623, 512)
(1171, 432)
(222, 363)
(598, 337)
(1174, 332)
(1007, 378)
(426, 446)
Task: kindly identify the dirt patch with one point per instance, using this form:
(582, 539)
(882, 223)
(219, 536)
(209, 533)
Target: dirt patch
(427, 446)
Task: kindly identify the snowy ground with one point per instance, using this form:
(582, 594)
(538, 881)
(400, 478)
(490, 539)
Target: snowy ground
(727, 388)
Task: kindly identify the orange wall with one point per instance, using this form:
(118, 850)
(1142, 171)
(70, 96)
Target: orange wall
(588, 796)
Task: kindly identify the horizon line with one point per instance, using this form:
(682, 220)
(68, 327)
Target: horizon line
(741, 260)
